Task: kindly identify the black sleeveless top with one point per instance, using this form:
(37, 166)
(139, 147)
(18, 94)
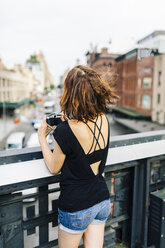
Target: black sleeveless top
(80, 187)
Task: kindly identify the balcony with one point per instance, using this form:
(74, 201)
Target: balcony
(135, 169)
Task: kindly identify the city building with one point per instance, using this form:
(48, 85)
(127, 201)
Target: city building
(62, 78)
(48, 78)
(158, 111)
(155, 40)
(101, 61)
(138, 79)
(16, 87)
(135, 84)
(139, 71)
(2, 66)
(39, 67)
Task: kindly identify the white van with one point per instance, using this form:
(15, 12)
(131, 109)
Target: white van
(15, 140)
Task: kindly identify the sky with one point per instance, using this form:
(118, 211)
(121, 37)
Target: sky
(64, 30)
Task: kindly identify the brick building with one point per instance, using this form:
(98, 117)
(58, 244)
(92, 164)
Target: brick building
(102, 61)
(135, 83)
(135, 78)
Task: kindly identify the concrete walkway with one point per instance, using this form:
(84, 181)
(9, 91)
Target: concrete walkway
(139, 125)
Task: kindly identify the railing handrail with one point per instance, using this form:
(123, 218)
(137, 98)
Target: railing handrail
(36, 169)
(118, 140)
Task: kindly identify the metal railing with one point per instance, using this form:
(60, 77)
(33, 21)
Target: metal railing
(135, 167)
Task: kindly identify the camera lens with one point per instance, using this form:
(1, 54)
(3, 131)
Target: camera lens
(53, 119)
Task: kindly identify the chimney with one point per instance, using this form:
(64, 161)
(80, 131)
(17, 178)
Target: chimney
(104, 50)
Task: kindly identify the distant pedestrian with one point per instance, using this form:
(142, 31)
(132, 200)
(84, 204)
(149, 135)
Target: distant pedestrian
(80, 153)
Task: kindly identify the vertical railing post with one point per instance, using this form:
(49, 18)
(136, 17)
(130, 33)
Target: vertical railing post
(11, 215)
(1, 240)
(146, 198)
(43, 209)
(139, 228)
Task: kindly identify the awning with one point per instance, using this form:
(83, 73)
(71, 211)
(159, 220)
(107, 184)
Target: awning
(13, 105)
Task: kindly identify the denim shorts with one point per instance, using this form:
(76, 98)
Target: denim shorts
(77, 222)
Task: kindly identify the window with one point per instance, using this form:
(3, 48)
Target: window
(157, 116)
(158, 99)
(104, 65)
(146, 102)
(3, 80)
(138, 100)
(159, 78)
(147, 82)
(139, 83)
(4, 98)
(110, 65)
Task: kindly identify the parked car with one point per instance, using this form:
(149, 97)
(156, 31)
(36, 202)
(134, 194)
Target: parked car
(15, 140)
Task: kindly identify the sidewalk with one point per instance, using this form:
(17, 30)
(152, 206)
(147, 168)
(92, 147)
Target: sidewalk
(139, 125)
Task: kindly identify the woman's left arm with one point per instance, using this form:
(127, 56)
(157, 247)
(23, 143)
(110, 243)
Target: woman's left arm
(54, 160)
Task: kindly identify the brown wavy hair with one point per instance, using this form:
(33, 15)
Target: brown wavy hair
(86, 94)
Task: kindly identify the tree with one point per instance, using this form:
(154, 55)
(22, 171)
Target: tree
(52, 86)
(46, 89)
(60, 86)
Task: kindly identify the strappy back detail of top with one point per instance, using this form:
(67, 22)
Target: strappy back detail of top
(80, 187)
(94, 135)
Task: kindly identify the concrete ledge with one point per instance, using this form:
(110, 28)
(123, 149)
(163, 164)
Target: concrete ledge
(35, 169)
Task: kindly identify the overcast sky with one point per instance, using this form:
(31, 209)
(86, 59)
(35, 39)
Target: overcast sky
(64, 29)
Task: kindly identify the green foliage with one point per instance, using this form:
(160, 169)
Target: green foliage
(33, 58)
(60, 86)
(52, 86)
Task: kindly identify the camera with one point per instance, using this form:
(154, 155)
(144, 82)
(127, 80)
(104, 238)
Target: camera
(53, 119)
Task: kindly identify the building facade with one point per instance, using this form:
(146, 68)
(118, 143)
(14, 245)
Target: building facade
(102, 61)
(39, 67)
(135, 82)
(16, 87)
(155, 40)
(141, 76)
(158, 111)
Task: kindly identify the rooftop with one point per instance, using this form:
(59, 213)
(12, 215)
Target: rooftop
(151, 35)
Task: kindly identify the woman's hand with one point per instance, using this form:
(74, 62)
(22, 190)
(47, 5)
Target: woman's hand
(43, 130)
(55, 160)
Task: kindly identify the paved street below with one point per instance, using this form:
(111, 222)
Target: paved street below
(118, 126)
(115, 129)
